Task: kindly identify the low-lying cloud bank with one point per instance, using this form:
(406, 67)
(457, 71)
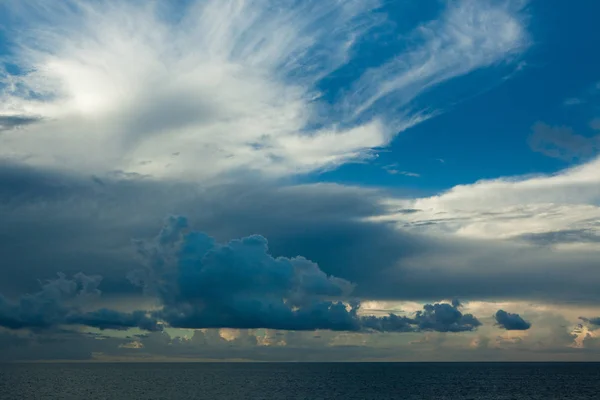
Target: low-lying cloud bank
(57, 304)
(202, 284)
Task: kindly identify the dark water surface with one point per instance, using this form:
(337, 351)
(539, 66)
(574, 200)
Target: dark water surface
(301, 381)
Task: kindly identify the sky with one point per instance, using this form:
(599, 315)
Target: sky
(332, 180)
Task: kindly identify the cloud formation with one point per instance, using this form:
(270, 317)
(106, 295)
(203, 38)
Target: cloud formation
(513, 208)
(85, 226)
(511, 322)
(213, 84)
(58, 303)
(8, 122)
(203, 284)
(110, 319)
(562, 142)
(593, 321)
(439, 317)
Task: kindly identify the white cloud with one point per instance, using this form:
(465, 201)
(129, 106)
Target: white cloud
(230, 85)
(508, 208)
(573, 101)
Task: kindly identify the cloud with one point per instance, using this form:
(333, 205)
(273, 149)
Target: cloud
(551, 337)
(593, 321)
(111, 319)
(445, 318)
(202, 284)
(84, 226)
(239, 285)
(46, 308)
(561, 142)
(52, 306)
(573, 236)
(393, 170)
(8, 122)
(439, 317)
(211, 82)
(509, 208)
(511, 322)
(573, 101)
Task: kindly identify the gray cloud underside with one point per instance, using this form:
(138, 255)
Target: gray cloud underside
(57, 304)
(87, 226)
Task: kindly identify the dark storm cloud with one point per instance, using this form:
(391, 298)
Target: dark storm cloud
(445, 318)
(511, 322)
(57, 304)
(439, 317)
(47, 307)
(562, 142)
(111, 319)
(203, 284)
(83, 225)
(238, 285)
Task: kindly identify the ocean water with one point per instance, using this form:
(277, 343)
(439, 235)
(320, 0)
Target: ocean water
(495, 381)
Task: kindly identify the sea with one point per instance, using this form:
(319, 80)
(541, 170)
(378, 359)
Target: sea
(214, 381)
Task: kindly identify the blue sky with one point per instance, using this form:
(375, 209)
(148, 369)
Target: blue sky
(485, 134)
(299, 180)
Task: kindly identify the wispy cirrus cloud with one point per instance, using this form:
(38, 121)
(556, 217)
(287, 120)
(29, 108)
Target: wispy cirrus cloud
(229, 85)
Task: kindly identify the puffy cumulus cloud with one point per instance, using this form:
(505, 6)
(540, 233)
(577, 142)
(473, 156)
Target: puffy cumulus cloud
(511, 322)
(525, 208)
(203, 88)
(445, 318)
(203, 284)
(58, 303)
